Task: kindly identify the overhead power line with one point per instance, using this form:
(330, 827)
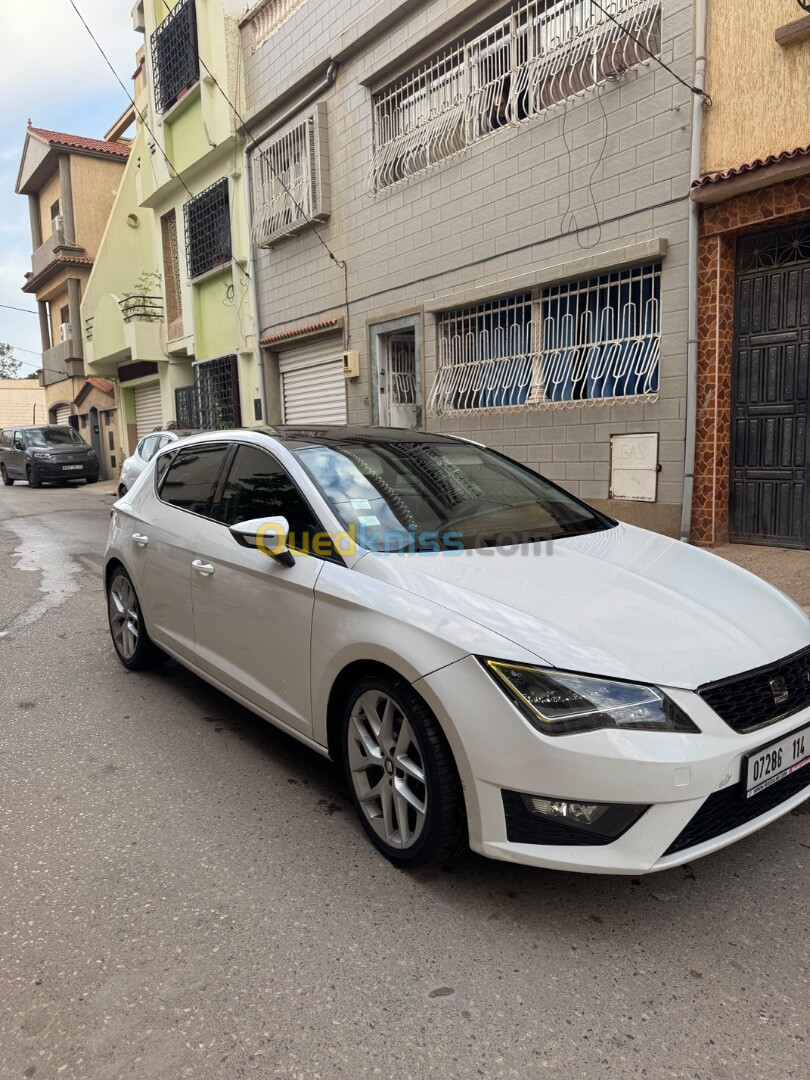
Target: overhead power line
(131, 99)
(12, 307)
(684, 82)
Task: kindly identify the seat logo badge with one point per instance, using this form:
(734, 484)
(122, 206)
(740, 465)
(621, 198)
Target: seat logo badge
(780, 691)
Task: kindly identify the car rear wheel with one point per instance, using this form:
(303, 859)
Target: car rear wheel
(401, 775)
(5, 477)
(32, 476)
(134, 647)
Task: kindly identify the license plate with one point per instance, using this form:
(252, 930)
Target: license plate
(774, 762)
(66, 467)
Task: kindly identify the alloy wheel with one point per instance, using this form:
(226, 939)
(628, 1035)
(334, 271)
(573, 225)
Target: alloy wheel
(124, 617)
(387, 769)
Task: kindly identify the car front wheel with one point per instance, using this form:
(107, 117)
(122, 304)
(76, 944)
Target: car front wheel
(401, 775)
(91, 479)
(133, 645)
(32, 476)
(5, 477)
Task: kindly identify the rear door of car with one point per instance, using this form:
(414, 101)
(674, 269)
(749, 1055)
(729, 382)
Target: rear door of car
(253, 616)
(164, 528)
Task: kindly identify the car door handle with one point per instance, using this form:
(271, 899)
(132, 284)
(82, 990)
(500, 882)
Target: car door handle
(204, 568)
(140, 539)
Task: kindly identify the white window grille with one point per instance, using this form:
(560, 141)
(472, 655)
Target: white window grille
(291, 180)
(590, 342)
(541, 54)
(268, 17)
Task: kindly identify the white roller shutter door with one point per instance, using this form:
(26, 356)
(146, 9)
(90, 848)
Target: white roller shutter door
(148, 409)
(63, 414)
(313, 386)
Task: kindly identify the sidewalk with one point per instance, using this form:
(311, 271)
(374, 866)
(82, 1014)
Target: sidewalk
(788, 570)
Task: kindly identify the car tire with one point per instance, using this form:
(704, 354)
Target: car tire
(390, 739)
(122, 490)
(91, 479)
(131, 641)
(7, 481)
(32, 476)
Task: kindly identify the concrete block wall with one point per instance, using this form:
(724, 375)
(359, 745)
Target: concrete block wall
(603, 175)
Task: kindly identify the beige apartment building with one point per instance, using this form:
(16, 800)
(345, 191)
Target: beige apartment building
(71, 183)
(474, 217)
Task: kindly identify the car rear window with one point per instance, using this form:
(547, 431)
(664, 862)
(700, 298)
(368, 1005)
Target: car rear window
(191, 479)
(5, 438)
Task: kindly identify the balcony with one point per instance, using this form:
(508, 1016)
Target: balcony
(62, 361)
(56, 244)
(123, 330)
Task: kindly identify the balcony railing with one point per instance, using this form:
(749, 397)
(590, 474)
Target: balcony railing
(270, 16)
(544, 53)
(145, 308)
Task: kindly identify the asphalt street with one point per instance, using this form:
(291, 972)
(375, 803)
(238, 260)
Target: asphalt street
(184, 892)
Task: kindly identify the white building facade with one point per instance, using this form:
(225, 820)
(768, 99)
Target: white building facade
(505, 191)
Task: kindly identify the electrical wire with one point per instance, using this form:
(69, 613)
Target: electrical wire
(12, 307)
(131, 99)
(684, 82)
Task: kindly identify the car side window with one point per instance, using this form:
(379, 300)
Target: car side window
(18, 438)
(164, 441)
(258, 486)
(5, 438)
(191, 480)
(149, 447)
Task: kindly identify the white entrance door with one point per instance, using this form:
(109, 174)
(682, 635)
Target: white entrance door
(148, 409)
(399, 403)
(313, 386)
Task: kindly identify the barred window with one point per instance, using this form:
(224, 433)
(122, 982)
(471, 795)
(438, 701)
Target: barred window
(217, 389)
(543, 53)
(291, 180)
(208, 229)
(588, 342)
(175, 57)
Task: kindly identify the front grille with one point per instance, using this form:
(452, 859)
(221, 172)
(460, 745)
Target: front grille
(727, 810)
(748, 701)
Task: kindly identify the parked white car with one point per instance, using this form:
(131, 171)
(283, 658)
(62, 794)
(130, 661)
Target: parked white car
(146, 449)
(489, 660)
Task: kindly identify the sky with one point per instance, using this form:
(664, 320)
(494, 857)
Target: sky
(51, 72)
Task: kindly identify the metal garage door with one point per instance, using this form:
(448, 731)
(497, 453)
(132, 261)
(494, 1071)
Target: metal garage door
(63, 414)
(313, 387)
(148, 410)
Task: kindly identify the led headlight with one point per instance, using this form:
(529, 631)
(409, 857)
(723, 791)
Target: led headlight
(562, 703)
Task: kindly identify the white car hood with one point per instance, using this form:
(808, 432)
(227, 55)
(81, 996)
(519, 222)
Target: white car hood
(626, 603)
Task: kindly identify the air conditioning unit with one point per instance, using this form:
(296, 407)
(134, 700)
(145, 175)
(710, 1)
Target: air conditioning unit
(64, 331)
(58, 223)
(351, 364)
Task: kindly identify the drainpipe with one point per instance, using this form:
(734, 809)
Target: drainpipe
(694, 234)
(326, 82)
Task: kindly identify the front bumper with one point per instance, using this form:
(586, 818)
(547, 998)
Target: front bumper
(49, 470)
(675, 774)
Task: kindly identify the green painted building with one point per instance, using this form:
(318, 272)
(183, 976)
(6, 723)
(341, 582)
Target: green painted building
(167, 312)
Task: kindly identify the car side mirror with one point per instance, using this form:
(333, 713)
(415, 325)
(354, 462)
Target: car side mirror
(18, 445)
(268, 535)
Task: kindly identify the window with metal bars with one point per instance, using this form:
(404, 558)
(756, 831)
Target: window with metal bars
(208, 229)
(217, 389)
(291, 180)
(538, 56)
(587, 342)
(175, 57)
(185, 403)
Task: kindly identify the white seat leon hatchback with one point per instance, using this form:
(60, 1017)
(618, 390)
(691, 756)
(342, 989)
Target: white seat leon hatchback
(488, 660)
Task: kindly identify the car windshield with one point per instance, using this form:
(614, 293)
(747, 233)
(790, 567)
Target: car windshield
(53, 436)
(400, 496)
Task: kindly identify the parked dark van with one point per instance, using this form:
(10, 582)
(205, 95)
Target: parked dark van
(46, 453)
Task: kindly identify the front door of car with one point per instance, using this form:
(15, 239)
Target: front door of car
(164, 530)
(16, 459)
(253, 616)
